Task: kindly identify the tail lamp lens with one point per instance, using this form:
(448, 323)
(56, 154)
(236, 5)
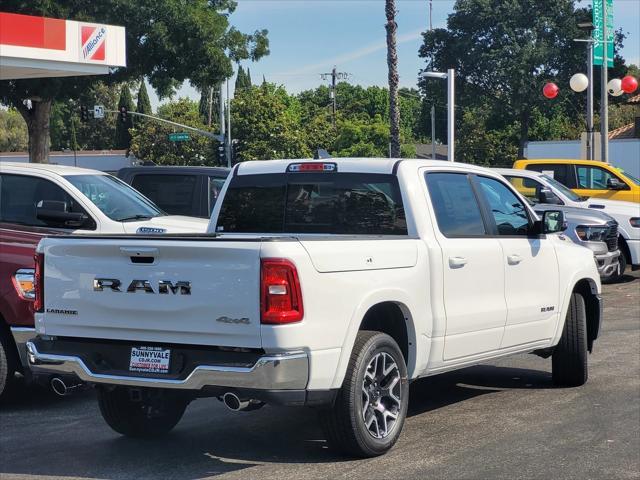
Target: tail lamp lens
(38, 283)
(280, 294)
(23, 282)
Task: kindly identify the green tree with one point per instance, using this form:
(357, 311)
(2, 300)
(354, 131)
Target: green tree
(266, 123)
(503, 52)
(13, 131)
(96, 134)
(150, 140)
(143, 104)
(123, 125)
(168, 41)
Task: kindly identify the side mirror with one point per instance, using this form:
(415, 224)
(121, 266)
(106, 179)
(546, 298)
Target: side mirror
(55, 213)
(553, 221)
(545, 195)
(615, 184)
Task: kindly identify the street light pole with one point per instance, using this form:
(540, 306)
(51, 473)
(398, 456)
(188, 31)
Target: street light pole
(590, 146)
(451, 106)
(451, 114)
(604, 98)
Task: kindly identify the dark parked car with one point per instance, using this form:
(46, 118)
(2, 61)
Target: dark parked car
(190, 191)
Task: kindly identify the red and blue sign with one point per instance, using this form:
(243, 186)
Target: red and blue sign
(93, 42)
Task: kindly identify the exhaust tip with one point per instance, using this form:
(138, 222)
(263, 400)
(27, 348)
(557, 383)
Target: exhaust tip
(58, 386)
(232, 401)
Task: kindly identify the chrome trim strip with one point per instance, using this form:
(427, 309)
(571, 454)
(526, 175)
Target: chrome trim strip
(288, 371)
(21, 335)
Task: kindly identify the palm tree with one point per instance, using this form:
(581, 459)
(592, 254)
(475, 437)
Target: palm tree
(392, 62)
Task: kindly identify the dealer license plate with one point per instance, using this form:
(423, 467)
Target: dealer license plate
(149, 360)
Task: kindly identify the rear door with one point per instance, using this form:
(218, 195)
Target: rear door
(473, 277)
(530, 266)
(185, 291)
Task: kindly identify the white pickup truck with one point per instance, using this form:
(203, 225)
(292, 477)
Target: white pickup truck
(322, 283)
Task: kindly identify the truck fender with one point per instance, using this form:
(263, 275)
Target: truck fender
(566, 297)
(397, 297)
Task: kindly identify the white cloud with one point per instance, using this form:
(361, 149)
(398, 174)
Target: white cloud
(354, 54)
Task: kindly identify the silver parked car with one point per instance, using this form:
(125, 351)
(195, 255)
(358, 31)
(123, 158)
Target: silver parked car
(590, 228)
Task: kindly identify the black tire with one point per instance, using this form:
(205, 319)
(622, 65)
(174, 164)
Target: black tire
(619, 273)
(152, 413)
(569, 360)
(344, 424)
(8, 364)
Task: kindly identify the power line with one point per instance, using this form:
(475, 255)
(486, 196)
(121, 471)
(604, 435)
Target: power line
(335, 76)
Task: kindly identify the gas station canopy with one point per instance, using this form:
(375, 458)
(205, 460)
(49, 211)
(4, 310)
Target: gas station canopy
(33, 47)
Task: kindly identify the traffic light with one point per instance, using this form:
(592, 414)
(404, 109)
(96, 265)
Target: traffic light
(123, 114)
(84, 113)
(222, 157)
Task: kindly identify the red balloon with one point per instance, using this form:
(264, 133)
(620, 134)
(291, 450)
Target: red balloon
(550, 90)
(629, 84)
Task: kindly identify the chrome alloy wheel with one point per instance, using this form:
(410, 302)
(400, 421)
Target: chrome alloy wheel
(381, 395)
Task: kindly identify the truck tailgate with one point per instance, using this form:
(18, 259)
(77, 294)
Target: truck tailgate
(184, 291)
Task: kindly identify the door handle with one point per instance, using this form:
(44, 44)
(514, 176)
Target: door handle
(514, 259)
(457, 262)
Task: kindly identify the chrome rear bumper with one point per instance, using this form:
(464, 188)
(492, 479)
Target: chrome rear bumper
(21, 335)
(287, 371)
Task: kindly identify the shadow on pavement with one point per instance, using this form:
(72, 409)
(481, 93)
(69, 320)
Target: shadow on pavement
(210, 440)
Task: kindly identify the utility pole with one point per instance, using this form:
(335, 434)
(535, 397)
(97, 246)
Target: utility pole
(335, 76)
(433, 132)
(604, 96)
(228, 126)
(221, 111)
(210, 106)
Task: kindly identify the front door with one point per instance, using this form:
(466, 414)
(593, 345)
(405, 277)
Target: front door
(530, 267)
(473, 275)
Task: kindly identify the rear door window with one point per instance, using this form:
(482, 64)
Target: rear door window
(332, 203)
(563, 173)
(456, 207)
(175, 194)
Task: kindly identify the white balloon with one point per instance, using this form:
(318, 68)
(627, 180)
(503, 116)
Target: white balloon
(614, 87)
(579, 82)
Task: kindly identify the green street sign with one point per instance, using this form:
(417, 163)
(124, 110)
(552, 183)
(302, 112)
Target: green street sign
(598, 32)
(179, 137)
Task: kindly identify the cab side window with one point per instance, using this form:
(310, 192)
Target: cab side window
(594, 178)
(533, 190)
(456, 207)
(20, 194)
(508, 211)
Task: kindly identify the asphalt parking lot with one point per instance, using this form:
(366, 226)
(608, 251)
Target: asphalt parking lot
(500, 420)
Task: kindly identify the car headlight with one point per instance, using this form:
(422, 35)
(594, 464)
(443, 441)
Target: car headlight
(635, 222)
(592, 234)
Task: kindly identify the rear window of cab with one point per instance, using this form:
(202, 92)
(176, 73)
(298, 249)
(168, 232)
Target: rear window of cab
(323, 203)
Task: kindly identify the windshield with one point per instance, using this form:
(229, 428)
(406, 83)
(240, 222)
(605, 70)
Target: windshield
(567, 192)
(114, 198)
(630, 177)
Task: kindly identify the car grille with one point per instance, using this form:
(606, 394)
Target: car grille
(612, 237)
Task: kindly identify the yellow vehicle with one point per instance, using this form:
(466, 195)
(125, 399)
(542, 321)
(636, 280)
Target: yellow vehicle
(588, 178)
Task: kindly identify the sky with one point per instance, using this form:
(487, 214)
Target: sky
(310, 37)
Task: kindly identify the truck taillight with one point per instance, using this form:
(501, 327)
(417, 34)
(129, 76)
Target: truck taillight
(23, 283)
(38, 283)
(280, 294)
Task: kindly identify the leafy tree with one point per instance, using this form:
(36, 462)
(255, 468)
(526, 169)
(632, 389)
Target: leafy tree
(143, 103)
(240, 79)
(503, 52)
(96, 134)
(150, 140)
(13, 131)
(123, 136)
(249, 82)
(168, 41)
(266, 123)
(392, 63)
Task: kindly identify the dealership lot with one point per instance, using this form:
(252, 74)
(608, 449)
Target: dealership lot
(501, 420)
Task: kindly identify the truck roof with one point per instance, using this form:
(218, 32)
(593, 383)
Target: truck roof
(348, 165)
(57, 169)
